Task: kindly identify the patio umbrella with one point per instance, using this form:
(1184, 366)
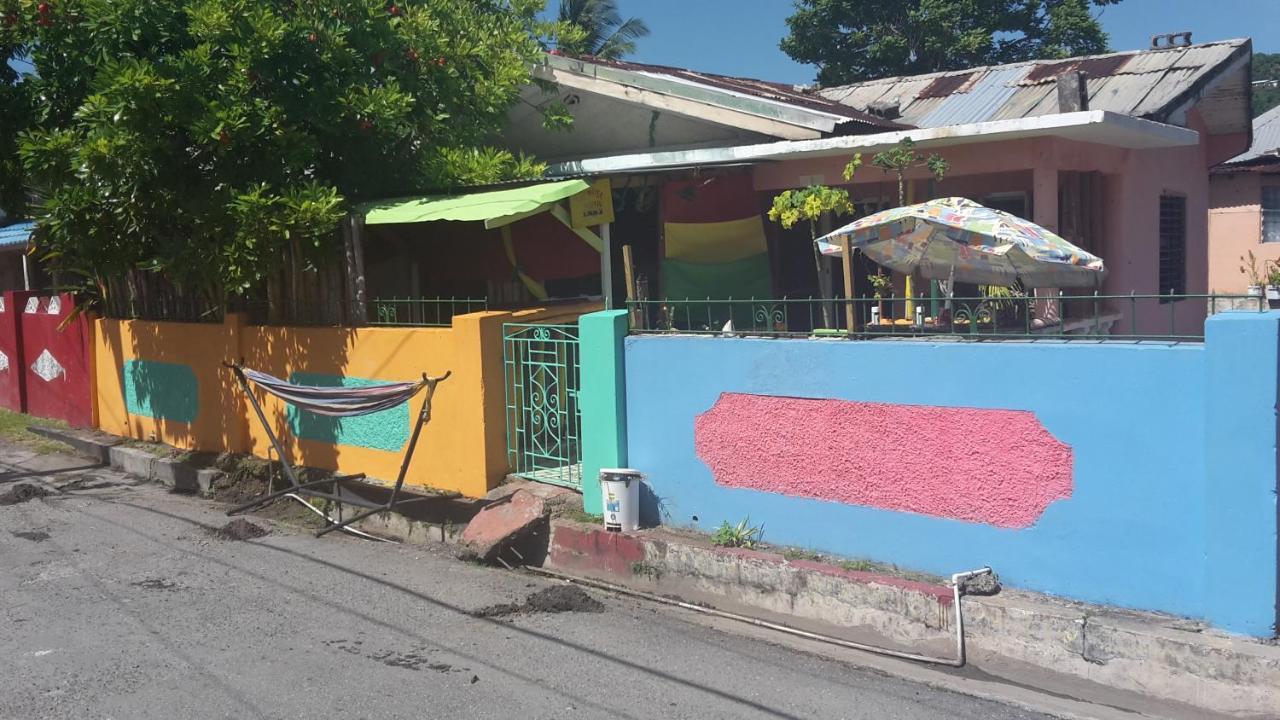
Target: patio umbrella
(958, 239)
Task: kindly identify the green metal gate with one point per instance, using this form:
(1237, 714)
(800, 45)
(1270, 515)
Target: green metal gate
(544, 426)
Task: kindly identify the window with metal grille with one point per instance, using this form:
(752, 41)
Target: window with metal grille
(1173, 245)
(1271, 214)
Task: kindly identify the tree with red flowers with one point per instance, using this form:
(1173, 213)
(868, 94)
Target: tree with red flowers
(207, 139)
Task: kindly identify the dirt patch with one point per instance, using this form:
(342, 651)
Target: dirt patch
(555, 599)
(240, 529)
(32, 535)
(22, 492)
(247, 478)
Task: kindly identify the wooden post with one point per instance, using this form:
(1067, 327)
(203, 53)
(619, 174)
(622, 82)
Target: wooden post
(359, 301)
(850, 316)
(606, 267)
(629, 273)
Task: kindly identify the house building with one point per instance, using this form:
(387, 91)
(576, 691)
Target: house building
(1244, 209)
(1109, 151)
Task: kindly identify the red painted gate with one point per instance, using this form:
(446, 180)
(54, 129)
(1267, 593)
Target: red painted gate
(45, 371)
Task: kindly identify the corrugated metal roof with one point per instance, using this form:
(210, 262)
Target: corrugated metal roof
(798, 98)
(15, 234)
(1146, 83)
(1266, 139)
(989, 93)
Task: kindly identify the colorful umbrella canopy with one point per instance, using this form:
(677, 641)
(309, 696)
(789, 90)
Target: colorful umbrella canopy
(956, 238)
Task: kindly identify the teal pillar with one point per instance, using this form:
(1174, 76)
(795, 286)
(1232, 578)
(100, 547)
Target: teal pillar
(1242, 354)
(602, 400)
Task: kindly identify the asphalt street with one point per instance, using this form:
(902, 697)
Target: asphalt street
(119, 602)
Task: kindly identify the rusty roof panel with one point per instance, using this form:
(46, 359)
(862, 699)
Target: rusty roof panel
(982, 101)
(1091, 66)
(945, 85)
(1135, 83)
(1153, 61)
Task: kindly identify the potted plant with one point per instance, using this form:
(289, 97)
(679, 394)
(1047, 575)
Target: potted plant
(881, 287)
(1249, 268)
(1273, 283)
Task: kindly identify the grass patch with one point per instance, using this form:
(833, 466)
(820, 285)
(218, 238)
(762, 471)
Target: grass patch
(575, 513)
(801, 554)
(866, 566)
(13, 428)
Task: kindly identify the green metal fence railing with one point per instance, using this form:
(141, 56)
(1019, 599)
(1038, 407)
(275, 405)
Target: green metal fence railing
(422, 311)
(1011, 317)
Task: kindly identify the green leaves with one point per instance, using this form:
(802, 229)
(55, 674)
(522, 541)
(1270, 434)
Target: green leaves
(853, 40)
(205, 138)
(809, 204)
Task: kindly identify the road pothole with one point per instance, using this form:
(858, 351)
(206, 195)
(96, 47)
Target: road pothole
(157, 584)
(32, 535)
(555, 599)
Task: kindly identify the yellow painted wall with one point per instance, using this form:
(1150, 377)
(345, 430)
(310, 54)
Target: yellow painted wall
(462, 449)
(220, 423)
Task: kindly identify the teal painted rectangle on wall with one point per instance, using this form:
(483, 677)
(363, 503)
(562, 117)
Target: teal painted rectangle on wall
(161, 390)
(385, 430)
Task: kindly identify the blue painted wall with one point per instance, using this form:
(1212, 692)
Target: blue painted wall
(161, 390)
(1145, 422)
(385, 430)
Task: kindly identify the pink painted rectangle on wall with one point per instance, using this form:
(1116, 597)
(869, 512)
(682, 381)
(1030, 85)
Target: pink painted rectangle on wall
(990, 466)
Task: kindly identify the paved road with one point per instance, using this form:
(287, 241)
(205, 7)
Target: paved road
(118, 603)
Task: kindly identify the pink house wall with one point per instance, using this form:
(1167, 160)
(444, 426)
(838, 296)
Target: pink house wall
(1134, 180)
(1235, 228)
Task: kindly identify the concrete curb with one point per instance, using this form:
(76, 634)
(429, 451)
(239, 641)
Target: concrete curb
(109, 450)
(172, 473)
(91, 444)
(1149, 655)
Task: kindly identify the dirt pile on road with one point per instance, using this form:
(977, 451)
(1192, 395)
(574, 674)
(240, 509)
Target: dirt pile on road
(23, 492)
(555, 599)
(240, 529)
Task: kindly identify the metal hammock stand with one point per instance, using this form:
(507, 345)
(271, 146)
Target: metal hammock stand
(335, 402)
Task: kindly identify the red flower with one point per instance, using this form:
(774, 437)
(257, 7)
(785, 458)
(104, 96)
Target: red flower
(312, 37)
(440, 61)
(412, 54)
(366, 124)
(43, 8)
(224, 137)
(394, 9)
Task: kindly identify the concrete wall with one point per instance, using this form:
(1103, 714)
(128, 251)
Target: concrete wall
(165, 381)
(1235, 228)
(1137, 475)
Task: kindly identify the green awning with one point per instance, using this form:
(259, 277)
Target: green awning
(495, 208)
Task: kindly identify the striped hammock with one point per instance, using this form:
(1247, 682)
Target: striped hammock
(337, 401)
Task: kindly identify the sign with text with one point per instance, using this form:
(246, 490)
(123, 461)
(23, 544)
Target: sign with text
(593, 206)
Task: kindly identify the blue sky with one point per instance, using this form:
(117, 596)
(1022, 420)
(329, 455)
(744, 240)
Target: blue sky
(740, 37)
